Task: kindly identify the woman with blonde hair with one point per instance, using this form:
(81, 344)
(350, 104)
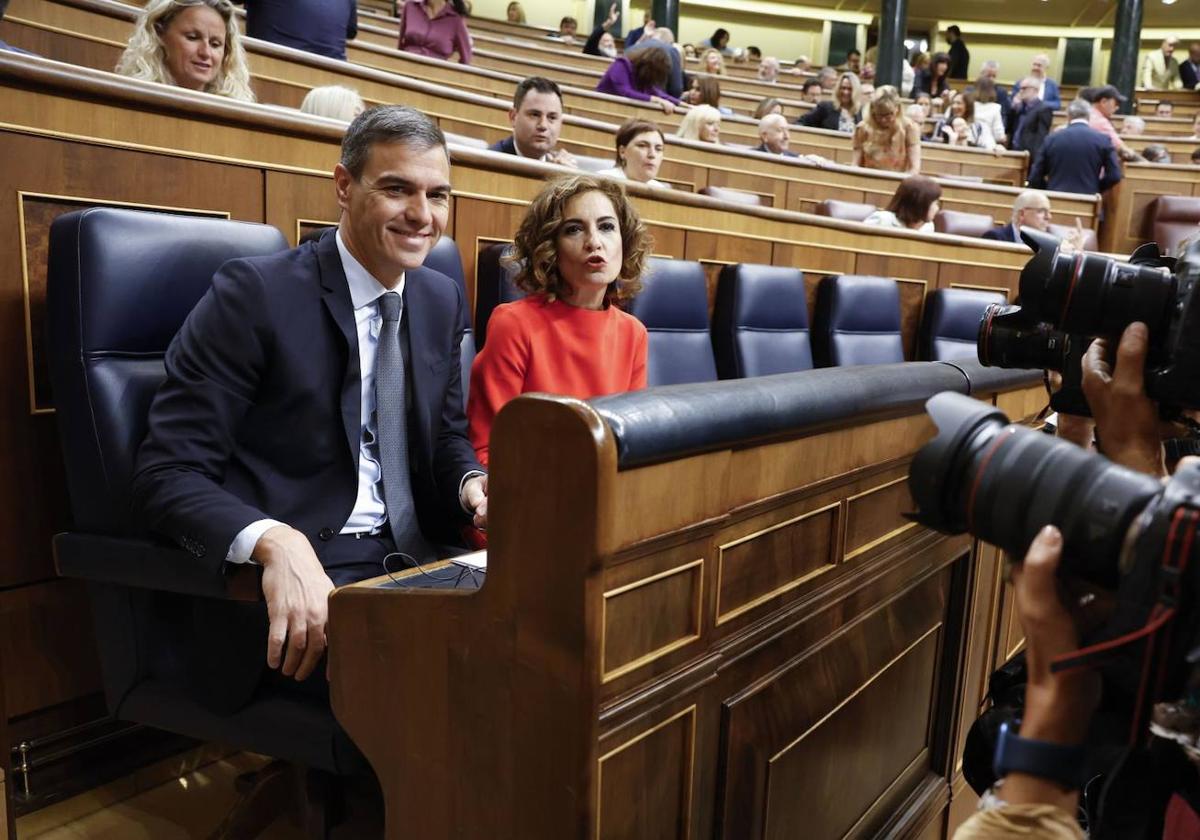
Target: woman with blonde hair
(711, 61)
(336, 102)
(515, 12)
(703, 123)
(886, 139)
(770, 105)
(844, 112)
(193, 44)
(579, 253)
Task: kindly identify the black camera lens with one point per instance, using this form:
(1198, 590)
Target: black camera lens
(1003, 483)
(1006, 340)
(1090, 294)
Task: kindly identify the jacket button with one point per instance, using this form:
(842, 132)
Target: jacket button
(326, 534)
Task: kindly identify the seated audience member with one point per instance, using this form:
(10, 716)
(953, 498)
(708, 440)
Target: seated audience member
(1195, 157)
(935, 79)
(768, 70)
(1047, 88)
(1032, 209)
(580, 252)
(988, 110)
(663, 39)
(1195, 126)
(711, 61)
(916, 115)
(1164, 109)
(641, 76)
(770, 105)
(920, 62)
(436, 28)
(638, 33)
(811, 91)
(567, 27)
(515, 12)
(1106, 101)
(960, 128)
(1189, 71)
(853, 63)
(334, 101)
(706, 90)
(924, 100)
(316, 26)
(1133, 127)
(1160, 70)
(753, 54)
(640, 147)
(193, 44)
(215, 472)
(536, 120)
(718, 41)
(801, 65)
(913, 205)
(1156, 153)
(1029, 120)
(886, 139)
(828, 77)
(1077, 159)
(703, 123)
(601, 41)
(773, 136)
(843, 113)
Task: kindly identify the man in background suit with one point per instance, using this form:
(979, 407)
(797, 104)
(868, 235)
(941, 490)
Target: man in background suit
(1047, 87)
(1189, 71)
(1160, 71)
(311, 420)
(316, 26)
(1029, 119)
(1077, 159)
(536, 119)
(773, 136)
(960, 56)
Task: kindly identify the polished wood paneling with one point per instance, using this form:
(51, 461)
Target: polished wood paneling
(877, 514)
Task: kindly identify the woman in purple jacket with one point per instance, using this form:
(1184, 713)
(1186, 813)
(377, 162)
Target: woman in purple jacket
(641, 77)
(435, 28)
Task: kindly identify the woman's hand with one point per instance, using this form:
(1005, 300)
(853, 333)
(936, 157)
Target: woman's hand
(667, 105)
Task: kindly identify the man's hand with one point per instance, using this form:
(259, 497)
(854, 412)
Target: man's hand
(475, 496)
(1127, 421)
(296, 589)
(562, 157)
(613, 14)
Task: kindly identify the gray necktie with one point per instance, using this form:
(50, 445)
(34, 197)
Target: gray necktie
(391, 424)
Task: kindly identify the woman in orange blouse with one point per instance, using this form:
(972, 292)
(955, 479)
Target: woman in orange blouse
(580, 250)
(886, 139)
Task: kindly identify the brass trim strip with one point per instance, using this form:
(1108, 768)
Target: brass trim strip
(895, 532)
(657, 653)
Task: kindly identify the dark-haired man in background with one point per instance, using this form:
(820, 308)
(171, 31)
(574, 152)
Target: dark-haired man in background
(960, 56)
(316, 26)
(536, 119)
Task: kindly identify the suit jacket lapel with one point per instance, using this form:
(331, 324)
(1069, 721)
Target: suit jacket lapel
(336, 296)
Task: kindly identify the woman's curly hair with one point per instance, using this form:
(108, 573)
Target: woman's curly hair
(145, 58)
(535, 248)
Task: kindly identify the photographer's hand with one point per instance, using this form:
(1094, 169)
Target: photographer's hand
(1127, 420)
(1058, 707)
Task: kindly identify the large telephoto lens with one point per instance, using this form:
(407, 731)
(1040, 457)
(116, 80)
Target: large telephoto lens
(1089, 294)
(1007, 341)
(1003, 483)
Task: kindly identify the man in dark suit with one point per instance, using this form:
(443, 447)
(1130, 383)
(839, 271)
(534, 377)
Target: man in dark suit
(1031, 209)
(1189, 71)
(315, 26)
(1077, 159)
(311, 420)
(1029, 119)
(960, 56)
(536, 119)
(773, 136)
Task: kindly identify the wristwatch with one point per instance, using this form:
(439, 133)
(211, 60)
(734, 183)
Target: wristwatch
(1058, 763)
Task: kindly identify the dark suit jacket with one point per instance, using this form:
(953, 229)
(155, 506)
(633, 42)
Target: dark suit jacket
(259, 415)
(824, 115)
(1008, 233)
(762, 147)
(1190, 74)
(507, 146)
(960, 60)
(316, 26)
(1037, 126)
(1077, 159)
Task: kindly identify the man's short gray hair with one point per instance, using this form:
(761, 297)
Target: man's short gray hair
(388, 124)
(991, 64)
(1079, 109)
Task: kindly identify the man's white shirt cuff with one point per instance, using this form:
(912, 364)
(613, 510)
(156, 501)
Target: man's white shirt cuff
(243, 544)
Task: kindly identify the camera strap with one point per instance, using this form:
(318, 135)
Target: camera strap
(1156, 632)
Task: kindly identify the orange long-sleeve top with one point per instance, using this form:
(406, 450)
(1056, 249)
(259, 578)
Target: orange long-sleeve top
(538, 345)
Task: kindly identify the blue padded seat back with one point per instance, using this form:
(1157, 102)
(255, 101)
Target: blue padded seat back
(673, 304)
(760, 322)
(120, 284)
(493, 286)
(444, 257)
(857, 322)
(951, 326)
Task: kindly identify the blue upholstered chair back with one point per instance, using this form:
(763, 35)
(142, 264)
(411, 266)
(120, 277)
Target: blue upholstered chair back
(121, 283)
(951, 324)
(493, 286)
(444, 257)
(760, 323)
(673, 305)
(857, 322)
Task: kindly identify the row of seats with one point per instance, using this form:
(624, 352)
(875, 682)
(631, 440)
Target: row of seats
(946, 221)
(760, 324)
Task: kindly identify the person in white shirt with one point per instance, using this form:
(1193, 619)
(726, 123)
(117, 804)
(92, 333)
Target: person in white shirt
(640, 145)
